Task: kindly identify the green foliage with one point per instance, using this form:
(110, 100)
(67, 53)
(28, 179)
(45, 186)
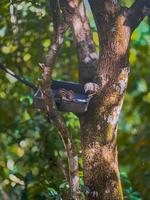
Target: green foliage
(30, 148)
(128, 191)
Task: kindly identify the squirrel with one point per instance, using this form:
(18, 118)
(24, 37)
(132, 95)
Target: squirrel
(64, 94)
(69, 95)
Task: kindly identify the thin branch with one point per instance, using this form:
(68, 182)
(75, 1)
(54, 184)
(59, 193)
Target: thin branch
(53, 114)
(137, 12)
(63, 167)
(13, 18)
(57, 42)
(19, 78)
(55, 10)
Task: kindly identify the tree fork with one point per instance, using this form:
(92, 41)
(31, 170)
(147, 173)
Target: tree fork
(99, 123)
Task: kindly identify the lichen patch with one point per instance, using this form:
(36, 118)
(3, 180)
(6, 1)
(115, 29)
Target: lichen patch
(113, 117)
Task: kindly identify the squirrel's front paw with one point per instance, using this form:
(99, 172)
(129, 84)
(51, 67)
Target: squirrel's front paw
(91, 88)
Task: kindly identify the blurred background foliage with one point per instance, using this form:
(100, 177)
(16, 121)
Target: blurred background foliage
(31, 151)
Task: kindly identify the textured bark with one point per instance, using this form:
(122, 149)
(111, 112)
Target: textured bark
(99, 124)
(87, 57)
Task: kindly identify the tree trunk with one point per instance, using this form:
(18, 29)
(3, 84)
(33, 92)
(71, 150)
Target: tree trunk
(99, 124)
(110, 71)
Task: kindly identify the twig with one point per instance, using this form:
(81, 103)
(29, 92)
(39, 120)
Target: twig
(19, 78)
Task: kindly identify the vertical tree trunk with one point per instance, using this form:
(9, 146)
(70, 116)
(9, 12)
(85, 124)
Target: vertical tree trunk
(99, 124)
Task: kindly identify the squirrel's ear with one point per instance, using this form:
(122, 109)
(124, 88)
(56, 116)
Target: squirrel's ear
(91, 88)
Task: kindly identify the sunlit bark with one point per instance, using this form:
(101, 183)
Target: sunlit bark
(110, 71)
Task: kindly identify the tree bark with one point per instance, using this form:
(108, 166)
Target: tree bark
(99, 123)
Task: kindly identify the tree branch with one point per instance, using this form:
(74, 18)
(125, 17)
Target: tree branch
(137, 12)
(53, 114)
(104, 12)
(63, 167)
(55, 10)
(107, 7)
(75, 13)
(13, 18)
(58, 40)
(19, 78)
